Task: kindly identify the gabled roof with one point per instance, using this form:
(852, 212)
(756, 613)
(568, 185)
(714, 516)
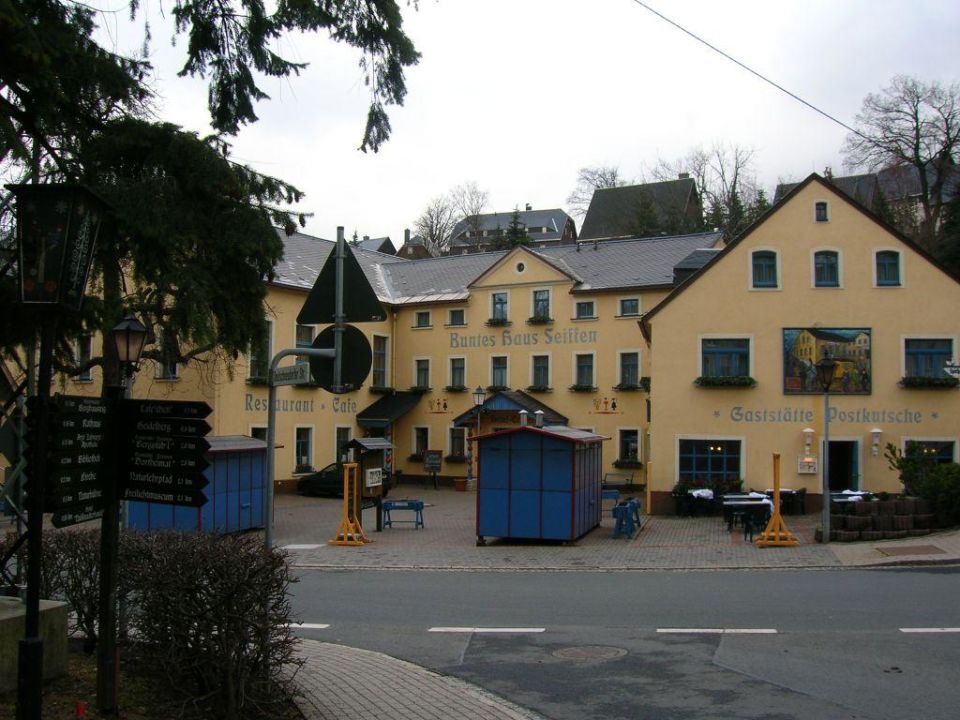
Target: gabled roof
(813, 177)
(613, 211)
(552, 220)
(561, 432)
(862, 188)
(513, 401)
(381, 244)
(561, 267)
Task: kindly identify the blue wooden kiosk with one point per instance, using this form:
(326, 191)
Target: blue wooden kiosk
(538, 483)
(237, 475)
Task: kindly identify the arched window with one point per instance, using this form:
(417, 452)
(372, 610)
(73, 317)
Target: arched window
(888, 268)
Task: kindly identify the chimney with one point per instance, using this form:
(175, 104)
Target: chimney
(366, 237)
(406, 236)
(523, 418)
(529, 207)
(539, 418)
(684, 176)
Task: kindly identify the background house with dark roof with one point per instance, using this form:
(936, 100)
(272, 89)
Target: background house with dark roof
(671, 207)
(546, 228)
(382, 244)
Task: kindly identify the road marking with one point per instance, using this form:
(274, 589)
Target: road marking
(485, 630)
(310, 626)
(931, 630)
(719, 631)
(300, 547)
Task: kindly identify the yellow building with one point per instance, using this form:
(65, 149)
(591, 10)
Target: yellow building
(733, 352)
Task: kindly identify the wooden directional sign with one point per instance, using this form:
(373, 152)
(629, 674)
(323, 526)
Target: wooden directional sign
(167, 409)
(92, 459)
(62, 481)
(191, 498)
(76, 440)
(169, 480)
(78, 496)
(80, 405)
(77, 422)
(170, 426)
(167, 461)
(77, 514)
(163, 443)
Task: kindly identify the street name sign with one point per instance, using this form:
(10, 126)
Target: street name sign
(298, 374)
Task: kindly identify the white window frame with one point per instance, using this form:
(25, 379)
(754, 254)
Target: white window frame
(533, 305)
(876, 252)
(413, 437)
(450, 312)
(429, 371)
(924, 336)
(751, 349)
(549, 357)
(256, 426)
(336, 449)
(450, 359)
(639, 432)
(269, 357)
(595, 315)
(490, 368)
(386, 360)
(619, 370)
(573, 368)
(161, 374)
(828, 208)
(416, 320)
(310, 454)
(450, 431)
(707, 436)
(509, 302)
(813, 268)
(629, 297)
(300, 359)
(750, 286)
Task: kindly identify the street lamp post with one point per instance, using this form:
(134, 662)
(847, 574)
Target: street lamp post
(127, 338)
(478, 396)
(826, 369)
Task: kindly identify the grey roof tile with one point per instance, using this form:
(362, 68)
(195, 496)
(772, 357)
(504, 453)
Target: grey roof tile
(612, 211)
(553, 220)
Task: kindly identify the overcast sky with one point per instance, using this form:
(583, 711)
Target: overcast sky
(516, 95)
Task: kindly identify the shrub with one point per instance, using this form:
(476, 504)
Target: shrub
(941, 487)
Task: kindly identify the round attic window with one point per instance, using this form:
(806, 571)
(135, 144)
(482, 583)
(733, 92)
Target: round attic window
(521, 267)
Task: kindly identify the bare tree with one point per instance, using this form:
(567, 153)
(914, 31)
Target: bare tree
(435, 224)
(469, 202)
(911, 125)
(588, 180)
(726, 180)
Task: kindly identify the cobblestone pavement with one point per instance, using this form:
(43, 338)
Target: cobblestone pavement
(338, 682)
(341, 683)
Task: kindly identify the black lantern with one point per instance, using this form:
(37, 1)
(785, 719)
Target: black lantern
(57, 229)
(826, 369)
(129, 336)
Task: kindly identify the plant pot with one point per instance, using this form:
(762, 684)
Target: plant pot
(460, 484)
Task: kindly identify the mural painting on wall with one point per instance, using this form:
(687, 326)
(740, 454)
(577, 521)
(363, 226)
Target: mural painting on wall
(605, 406)
(438, 406)
(803, 348)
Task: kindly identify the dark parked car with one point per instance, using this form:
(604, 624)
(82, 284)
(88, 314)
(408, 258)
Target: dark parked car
(329, 482)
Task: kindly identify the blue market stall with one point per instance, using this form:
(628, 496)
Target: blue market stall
(234, 496)
(539, 483)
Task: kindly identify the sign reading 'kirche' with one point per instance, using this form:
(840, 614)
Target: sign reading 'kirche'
(509, 338)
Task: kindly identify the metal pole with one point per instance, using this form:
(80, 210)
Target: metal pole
(272, 431)
(825, 511)
(339, 318)
(30, 659)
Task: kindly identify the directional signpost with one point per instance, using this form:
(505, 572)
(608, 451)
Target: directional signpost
(165, 462)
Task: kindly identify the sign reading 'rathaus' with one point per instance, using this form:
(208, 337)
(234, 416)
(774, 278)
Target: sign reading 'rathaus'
(508, 338)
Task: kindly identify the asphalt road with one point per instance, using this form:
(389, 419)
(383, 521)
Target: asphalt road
(819, 644)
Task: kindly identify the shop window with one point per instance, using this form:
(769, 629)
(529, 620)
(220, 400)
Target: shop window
(888, 268)
(708, 463)
(941, 452)
(725, 357)
(764, 269)
(927, 357)
(826, 268)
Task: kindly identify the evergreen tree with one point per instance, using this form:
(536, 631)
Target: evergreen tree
(514, 235)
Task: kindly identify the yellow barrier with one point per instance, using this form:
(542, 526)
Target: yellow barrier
(350, 531)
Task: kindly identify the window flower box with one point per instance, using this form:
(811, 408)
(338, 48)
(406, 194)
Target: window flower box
(634, 464)
(539, 389)
(381, 389)
(455, 459)
(539, 320)
(628, 387)
(725, 381)
(583, 388)
(928, 383)
(497, 322)
(455, 388)
(419, 389)
(302, 469)
(496, 388)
